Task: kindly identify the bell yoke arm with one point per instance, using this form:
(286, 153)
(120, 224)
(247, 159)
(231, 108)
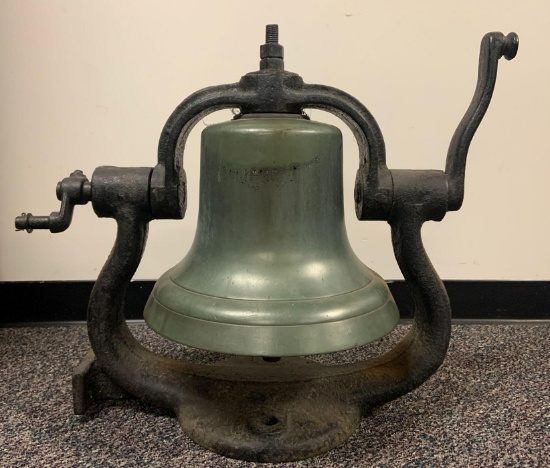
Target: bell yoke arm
(266, 91)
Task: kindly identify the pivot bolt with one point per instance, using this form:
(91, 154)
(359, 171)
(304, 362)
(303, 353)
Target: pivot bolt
(272, 33)
(272, 53)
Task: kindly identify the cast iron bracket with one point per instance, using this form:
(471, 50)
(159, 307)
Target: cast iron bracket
(249, 408)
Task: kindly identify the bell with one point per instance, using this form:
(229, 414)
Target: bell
(271, 271)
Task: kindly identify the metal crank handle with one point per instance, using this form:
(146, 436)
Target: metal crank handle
(494, 45)
(73, 190)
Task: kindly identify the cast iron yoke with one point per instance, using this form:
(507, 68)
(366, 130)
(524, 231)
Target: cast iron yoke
(272, 89)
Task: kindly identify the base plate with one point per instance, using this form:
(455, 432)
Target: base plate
(273, 410)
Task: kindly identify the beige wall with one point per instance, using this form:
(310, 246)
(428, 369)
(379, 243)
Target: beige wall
(89, 83)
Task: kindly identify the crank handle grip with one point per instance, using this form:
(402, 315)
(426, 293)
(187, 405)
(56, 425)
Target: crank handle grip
(73, 190)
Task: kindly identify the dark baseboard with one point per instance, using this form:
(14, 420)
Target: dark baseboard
(66, 301)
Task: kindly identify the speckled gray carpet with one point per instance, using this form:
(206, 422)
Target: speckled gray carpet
(488, 405)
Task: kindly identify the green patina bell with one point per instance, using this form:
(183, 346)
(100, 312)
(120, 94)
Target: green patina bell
(271, 271)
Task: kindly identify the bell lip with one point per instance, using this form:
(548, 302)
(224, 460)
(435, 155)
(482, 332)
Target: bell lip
(173, 297)
(360, 326)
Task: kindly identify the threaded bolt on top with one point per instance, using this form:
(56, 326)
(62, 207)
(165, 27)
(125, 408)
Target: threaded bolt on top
(272, 33)
(272, 53)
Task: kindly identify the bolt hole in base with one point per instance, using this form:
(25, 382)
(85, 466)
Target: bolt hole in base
(271, 421)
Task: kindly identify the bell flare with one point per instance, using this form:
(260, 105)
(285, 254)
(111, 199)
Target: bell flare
(272, 328)
(271, 271)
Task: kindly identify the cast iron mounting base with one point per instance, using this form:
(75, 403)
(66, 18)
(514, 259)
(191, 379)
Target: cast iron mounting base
(274, 417)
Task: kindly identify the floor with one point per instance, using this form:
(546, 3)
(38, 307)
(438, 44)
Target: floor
(488, 405)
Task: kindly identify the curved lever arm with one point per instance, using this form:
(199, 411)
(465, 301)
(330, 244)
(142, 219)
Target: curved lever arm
(71, 191)
(494, 45)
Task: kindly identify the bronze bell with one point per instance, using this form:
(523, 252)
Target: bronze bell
(271, 271)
